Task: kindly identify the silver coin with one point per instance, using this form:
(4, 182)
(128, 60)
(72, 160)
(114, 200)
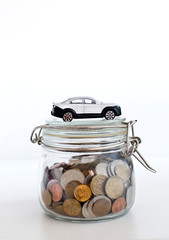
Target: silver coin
(90, 205)
(130, 196)
(122, 170)
(101, 169)
(83, 159)
(85, 211)
(56, 173)
(114, 187)
(109, 170)
(127, 184)
(71, 175)
(112, 166)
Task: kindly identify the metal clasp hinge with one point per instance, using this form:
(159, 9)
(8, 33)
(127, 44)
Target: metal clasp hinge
(36, 136)
(132, 145)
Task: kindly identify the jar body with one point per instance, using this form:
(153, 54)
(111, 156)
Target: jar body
(86, 186)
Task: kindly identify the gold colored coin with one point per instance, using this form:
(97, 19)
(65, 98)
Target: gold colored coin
(58, 208)
(72, 207)
(70, 187)
(97, 184)
(114, 187)
(82, 193)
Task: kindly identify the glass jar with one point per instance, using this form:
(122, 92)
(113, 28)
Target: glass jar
(86, 170)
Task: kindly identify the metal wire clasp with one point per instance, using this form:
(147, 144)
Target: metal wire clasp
(36, 136)
(132, 145)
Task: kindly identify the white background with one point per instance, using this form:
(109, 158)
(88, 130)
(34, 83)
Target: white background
(114, 51)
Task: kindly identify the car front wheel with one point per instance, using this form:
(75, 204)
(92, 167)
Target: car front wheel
(67, 117)
(109, 115)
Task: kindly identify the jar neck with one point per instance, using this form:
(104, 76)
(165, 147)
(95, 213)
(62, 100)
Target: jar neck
(97, 136)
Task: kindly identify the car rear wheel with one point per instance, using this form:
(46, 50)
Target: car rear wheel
(67, 117)
(109, 115)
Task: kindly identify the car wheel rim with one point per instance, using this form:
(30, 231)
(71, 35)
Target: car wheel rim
(67, 117)
(110, 115)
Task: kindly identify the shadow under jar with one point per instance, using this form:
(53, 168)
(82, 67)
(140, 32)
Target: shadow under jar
(85, 173)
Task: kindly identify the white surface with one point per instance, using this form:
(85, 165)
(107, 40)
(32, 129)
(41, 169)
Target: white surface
(114, 51)
(22, 218)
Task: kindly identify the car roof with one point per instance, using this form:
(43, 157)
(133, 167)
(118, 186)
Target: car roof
(75, 98)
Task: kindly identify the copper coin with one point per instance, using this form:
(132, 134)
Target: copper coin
(101, 207)
(70, 187)
(114, 187)
(72, 207)
(97, 184)
(118, 205)
(46, 197)
(82, 193)
(51, 182)
(56, 191)
(72, 175)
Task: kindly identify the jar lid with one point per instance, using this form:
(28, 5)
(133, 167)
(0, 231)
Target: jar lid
(85, 135)
(84, 128)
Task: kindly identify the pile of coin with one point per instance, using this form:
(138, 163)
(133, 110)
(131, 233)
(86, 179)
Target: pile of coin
(88, 186)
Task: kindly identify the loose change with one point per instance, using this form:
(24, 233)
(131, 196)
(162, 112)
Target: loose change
(88, 187)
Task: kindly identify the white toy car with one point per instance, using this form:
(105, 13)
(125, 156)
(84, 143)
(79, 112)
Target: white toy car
(85, 107)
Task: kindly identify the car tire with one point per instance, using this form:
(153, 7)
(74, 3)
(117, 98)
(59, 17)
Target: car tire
(109, 115)
(67, 117)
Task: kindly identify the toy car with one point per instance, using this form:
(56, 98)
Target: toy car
(85, 107)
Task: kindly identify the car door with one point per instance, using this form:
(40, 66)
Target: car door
(77, 105)
(89, 106)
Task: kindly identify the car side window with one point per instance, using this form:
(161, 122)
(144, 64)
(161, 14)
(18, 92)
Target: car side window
(89, 101)
(77, 101)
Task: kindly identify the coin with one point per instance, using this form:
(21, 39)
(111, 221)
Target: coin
(122, 170)
(114, 187)
(82, 193)
(85, 211)
(85, 172)
(57, 165)
(70, 187)
(46, 197)
(118, 205)
(72, 175)
(101, 169)
(109, 170)
(112, 165)
(97, 184)
(90, 205)
(130, 196)
(101, 207)
(56, 192)
(53, 181)
(58, 208)
(46, 177)
(72, 207)
(56, 173)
